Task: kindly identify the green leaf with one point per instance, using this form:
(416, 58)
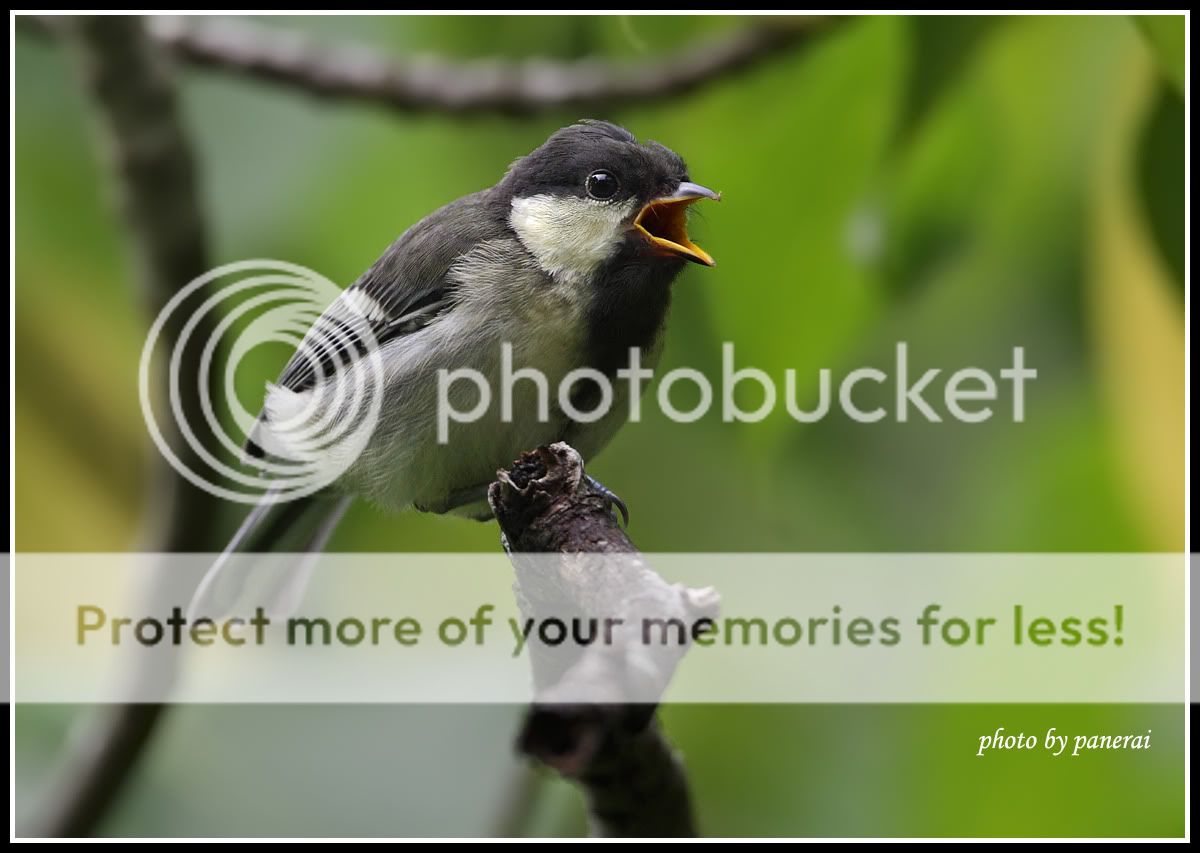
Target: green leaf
(1166, 37)
(942, 45)
(1161, 180)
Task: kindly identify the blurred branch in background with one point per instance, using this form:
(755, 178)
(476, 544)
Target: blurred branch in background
(436, 85)
(129, 82)
(635, 783)
(133, 92)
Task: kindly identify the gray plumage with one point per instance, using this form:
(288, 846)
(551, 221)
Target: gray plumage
(472, 276)
(554, 261)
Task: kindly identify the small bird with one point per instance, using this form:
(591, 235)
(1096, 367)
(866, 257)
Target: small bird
(569, 260)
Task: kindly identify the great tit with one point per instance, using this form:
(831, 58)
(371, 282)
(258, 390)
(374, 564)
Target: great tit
(569, 259)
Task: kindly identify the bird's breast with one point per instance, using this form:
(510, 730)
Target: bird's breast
(627, 309)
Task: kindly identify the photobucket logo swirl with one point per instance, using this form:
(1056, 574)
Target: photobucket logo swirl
(307, 439)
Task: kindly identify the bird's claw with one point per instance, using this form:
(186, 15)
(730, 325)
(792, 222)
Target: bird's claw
(609, 495)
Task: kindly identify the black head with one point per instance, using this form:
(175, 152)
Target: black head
(592, 190)
(565, 165)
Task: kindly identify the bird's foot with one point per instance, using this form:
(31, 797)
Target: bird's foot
(614, 501)
(478, 495)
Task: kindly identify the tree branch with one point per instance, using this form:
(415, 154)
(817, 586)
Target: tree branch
(592, 720)
(130, 85)
(436, 85)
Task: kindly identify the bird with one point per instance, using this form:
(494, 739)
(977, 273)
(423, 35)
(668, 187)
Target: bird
(568, 261)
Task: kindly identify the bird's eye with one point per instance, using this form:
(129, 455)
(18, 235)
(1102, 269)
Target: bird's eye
(602, 185)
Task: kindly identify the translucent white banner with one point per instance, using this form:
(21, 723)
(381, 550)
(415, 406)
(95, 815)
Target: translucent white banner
(437, 628)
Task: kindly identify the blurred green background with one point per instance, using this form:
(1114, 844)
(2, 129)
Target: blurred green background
(963, 184)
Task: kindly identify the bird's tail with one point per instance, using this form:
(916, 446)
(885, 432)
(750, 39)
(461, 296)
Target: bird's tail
(302, 526)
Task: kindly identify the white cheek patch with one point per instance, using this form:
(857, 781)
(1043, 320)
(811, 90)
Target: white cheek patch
(569, 236)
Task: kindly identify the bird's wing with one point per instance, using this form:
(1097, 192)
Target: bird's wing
(401, 293)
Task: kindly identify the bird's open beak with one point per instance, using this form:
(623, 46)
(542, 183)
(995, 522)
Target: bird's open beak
(663, 221)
